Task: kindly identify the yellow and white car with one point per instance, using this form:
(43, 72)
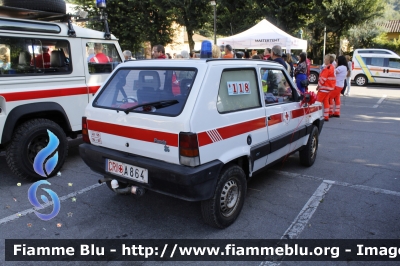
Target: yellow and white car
(375, 66)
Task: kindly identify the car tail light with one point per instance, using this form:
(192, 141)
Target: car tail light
(188, 149)
(85, 130)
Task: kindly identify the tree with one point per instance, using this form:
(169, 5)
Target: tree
(288, 15)
(339, 16)
(134, 21)
(236, 16)
(192, 14)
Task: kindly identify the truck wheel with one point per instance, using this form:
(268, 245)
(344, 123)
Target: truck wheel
(313, 78)
(56, 6)
(224, 207)
(29, 138)
(309, 153)
(361, 80)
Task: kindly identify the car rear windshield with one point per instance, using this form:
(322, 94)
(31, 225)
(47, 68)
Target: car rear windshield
(152, 91)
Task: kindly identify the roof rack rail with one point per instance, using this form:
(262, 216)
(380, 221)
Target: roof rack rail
(21, 13)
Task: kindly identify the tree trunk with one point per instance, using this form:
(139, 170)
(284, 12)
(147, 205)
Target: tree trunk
(190, 38)
(147, 50)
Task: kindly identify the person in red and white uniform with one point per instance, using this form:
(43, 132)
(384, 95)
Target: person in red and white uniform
(326, 84)
(43, 59)
(100, 58)
(341, 72)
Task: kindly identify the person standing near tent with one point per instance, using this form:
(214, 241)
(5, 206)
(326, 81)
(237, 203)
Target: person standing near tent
(326, 84)
(228, 51)
(300, 73)
(276, 55)
(267, 53)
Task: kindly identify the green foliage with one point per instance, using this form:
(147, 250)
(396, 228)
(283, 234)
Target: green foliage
(236, 16)
(193, 14)
(134, 21)
(290, 16)
(382, 41)
(339, 16)
(137, 21)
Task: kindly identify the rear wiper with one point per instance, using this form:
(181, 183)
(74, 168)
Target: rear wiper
(158, 105)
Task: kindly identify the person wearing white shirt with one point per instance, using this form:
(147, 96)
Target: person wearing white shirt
(341, 72)
(348, 77)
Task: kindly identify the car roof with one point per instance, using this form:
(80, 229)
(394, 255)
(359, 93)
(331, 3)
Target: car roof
(199, 62)
(80, 32)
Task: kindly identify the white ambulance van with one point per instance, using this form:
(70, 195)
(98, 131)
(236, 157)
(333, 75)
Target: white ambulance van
(375, 66)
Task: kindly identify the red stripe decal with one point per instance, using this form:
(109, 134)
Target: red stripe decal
(31, 95)
(134, 133)
(93, 89)
(204, 139)
(238, 129)
(232, 131)
(297, 113)
(275, 119)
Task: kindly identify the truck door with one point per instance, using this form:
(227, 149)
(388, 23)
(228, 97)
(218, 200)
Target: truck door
(100, 59)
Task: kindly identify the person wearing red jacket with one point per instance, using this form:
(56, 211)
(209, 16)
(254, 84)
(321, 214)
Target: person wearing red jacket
(43, 59)
(159, 52)
(326, 84)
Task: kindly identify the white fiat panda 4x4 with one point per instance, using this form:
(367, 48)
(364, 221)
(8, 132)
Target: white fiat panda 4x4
(197, 130)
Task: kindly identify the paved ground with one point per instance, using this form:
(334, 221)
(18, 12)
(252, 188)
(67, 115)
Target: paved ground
(354, 185)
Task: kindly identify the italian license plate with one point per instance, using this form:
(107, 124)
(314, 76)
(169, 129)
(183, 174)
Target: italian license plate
(126, 170)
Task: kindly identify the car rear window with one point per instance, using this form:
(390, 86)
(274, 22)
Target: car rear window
(152, 91)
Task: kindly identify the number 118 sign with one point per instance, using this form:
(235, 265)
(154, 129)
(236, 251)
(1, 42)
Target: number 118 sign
(238, 87)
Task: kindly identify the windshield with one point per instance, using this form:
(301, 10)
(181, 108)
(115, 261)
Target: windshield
(129, 88)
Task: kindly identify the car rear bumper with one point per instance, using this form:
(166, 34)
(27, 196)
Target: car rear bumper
(183, 182)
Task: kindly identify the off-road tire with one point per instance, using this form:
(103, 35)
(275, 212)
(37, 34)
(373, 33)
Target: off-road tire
(55, 6)
(211, 209)
(309, 153)
(28, 134)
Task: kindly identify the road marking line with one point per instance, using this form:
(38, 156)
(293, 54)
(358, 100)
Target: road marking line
(32, 210)
(308, 210)
(304, 215)
(380, 101)
(339, 183)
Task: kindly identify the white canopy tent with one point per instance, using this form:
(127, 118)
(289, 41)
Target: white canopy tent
(263, 35)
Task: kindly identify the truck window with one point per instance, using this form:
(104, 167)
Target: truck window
(238, 90)
(102, 57)
(276, 86)
(23, 56)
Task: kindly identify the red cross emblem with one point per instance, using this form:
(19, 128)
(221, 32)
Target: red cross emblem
(287, 116)
(121, 169)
